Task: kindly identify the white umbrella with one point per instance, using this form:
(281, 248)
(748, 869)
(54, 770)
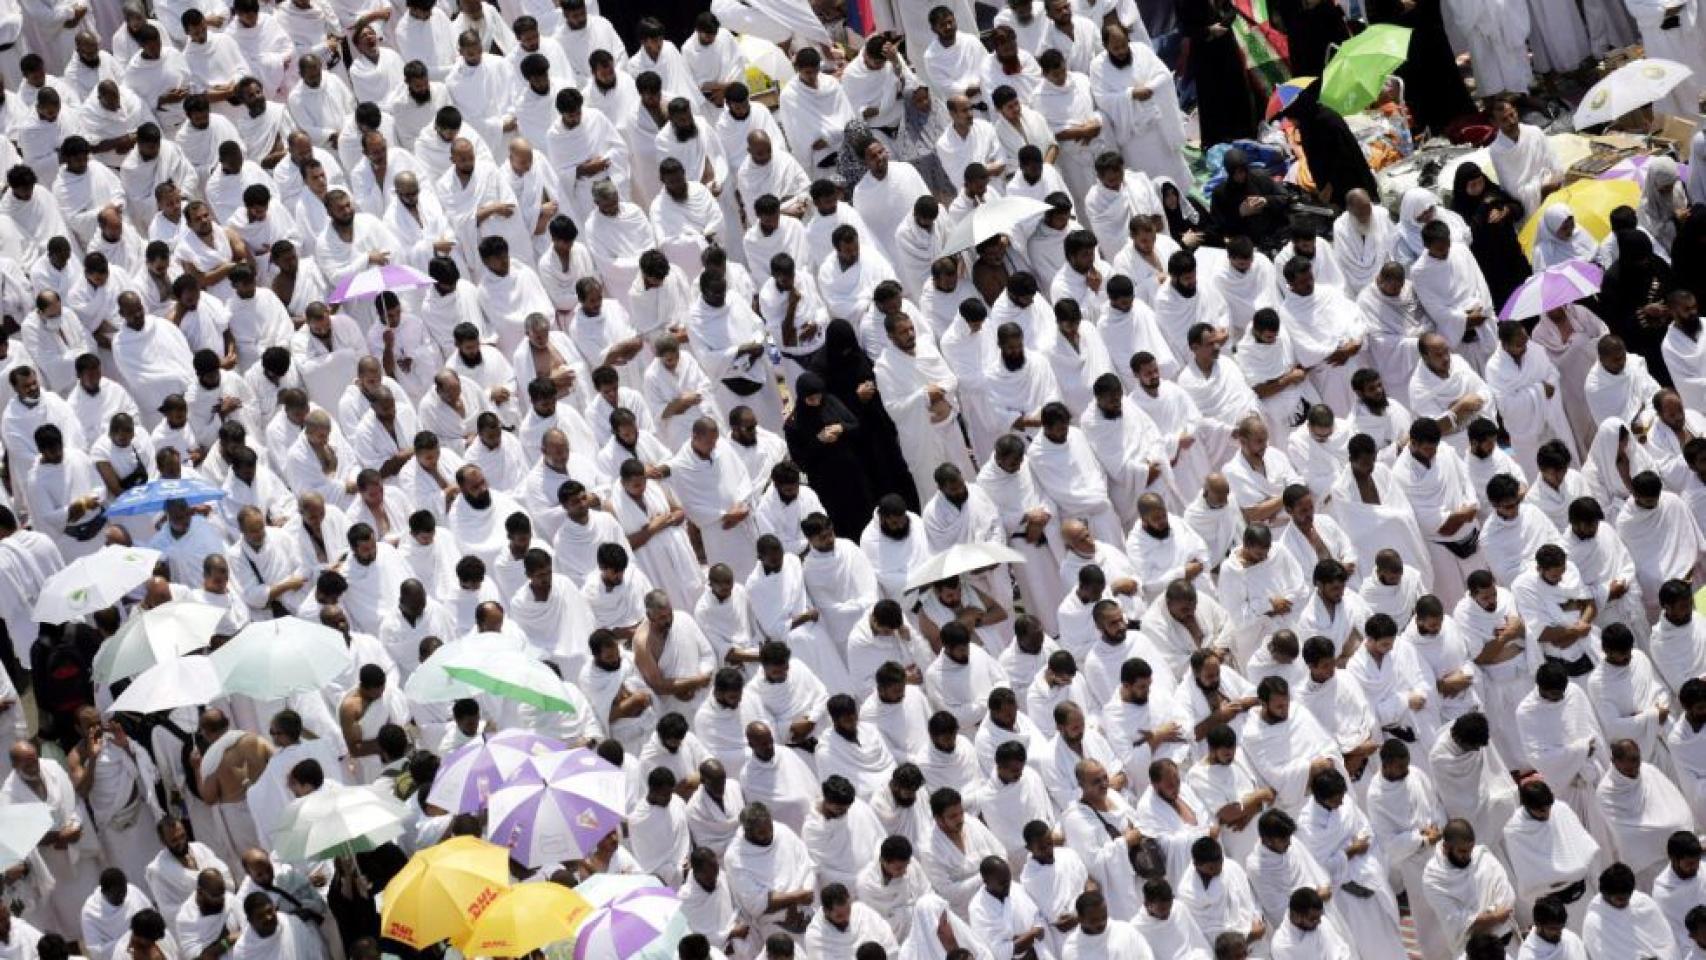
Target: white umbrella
(179, 682)
(1628, 88)
(94, 582)
(998, 216)
(22, 825)
(336, 820)
(957, 559)
(430, 684)
(156, 636)
(272, 659)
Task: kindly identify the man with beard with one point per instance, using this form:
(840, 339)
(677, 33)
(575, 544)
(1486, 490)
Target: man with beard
(210, 917)
(69, 853)
(351, 241)
(713, 487)
(274, 935)
(177, 872)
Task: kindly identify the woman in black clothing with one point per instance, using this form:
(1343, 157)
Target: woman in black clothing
(1336, 161)
(849, 377)
(1688, 250)
(1225, 108)
(1493, 217)
(825, 440)
(1311, 26)
(1433, 86)
(1632, 300)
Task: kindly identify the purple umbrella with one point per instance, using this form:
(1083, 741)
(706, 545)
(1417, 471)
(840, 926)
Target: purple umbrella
(640, 925)
(474, 771)
(374, 281)
(1635, 168)
(561, 816)
(1557, 286)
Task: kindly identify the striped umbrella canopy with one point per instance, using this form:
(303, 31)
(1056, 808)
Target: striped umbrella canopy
(580, 798)
(1285, 93)
(474, 771)
(373, 281)
(643, 925)
(1635, 168)
(1556, 286)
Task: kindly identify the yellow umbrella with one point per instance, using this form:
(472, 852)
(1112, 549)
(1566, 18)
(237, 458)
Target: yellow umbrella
(442, 890)
(1590, 202)
(525, 918)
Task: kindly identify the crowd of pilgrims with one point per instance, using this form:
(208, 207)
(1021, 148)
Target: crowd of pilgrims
(1351, 622)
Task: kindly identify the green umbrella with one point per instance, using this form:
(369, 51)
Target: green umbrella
(513, 675)
(1359, 70)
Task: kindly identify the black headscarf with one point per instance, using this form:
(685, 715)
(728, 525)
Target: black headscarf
(842, 367)
(1637, 279)
(1496, 245)
(842, 363)
(840, 471)
(808, 419)
(1335, 157)
(1688, 250)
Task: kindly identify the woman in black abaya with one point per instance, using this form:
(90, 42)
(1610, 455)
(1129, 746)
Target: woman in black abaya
(1632, 300)
(824, 438)
(1225, 109)
(849, 377)
(1336, 161)
(1311, 26)
(1433, 86)
(1493, 217)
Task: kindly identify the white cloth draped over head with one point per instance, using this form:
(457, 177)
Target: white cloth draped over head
(1662, 197)
(1550, 249)
(1417, 202)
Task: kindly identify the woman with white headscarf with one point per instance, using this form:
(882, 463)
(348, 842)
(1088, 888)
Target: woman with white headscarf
(926, 940)
(1420, 207)
(1559, 239)
(1662, 195)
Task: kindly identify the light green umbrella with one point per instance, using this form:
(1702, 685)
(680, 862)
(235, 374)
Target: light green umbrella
(430, 684)
(272, 659)
(336, 821)
(512, 675)
(1356, 74)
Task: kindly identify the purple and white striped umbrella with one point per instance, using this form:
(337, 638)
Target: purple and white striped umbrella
(543, 823)
(1635, 168)
(584, 773)
(374, 281)
(646, 924)
(1556, 286)
(474, 771)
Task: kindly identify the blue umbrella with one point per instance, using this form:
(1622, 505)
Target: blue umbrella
(152, 496)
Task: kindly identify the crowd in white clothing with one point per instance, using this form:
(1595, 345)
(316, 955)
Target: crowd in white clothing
(1341, 620)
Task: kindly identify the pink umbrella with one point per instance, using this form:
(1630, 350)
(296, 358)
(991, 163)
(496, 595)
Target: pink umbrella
(374, 281)
(1556, 286)
(1635, 169)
